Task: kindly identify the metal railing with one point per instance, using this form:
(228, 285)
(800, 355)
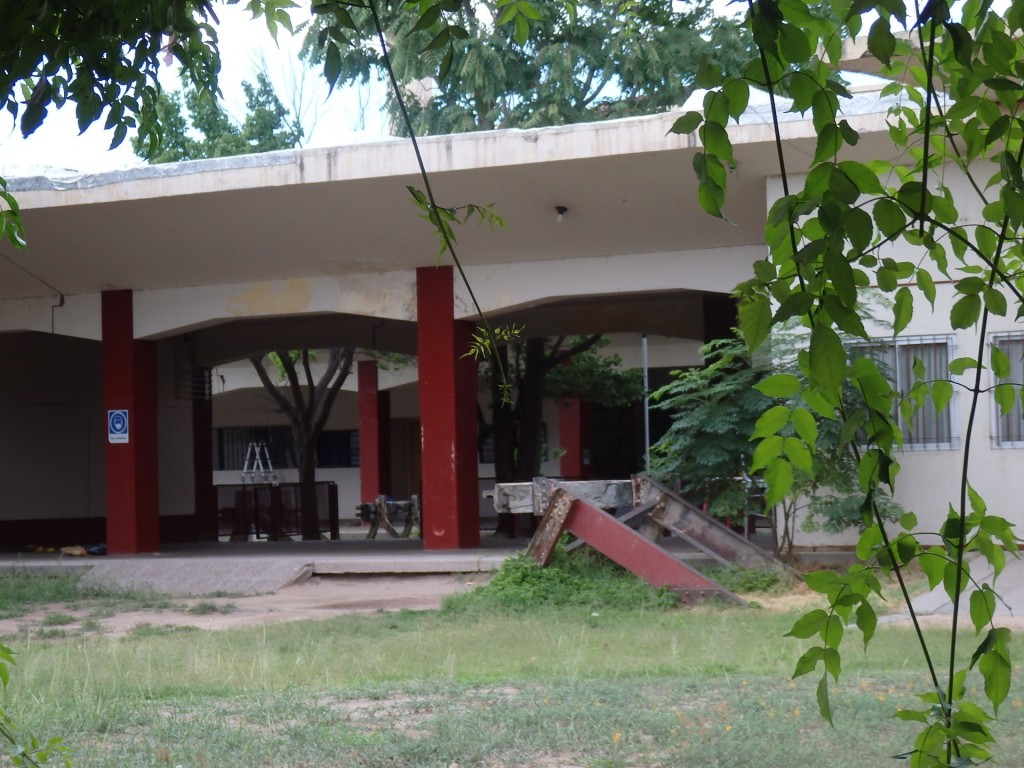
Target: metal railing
(271, 512)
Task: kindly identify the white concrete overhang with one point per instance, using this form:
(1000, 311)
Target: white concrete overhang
(628, 186)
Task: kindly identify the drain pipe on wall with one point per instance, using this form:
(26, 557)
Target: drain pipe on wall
(647, 413)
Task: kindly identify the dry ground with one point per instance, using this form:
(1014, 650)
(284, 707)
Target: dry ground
(323, 597)
(316, 598)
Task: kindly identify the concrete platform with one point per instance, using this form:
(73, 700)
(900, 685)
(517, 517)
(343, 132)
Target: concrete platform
(257, 568)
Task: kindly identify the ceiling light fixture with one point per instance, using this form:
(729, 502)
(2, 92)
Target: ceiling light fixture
(561, 210)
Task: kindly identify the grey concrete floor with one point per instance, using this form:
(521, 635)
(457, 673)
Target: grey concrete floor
(260, 567)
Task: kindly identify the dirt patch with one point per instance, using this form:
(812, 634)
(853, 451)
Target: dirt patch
(322, 597)
(316, 598)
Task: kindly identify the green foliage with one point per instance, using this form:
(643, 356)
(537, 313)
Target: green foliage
(102, 57)
(714, 411)
(523, 372)
(521, 64)
(583, 579)
(901, 225)
(708, 450)
(738, 579)
(266, 126)
(595, 377)
(10, 217)
(443, 219)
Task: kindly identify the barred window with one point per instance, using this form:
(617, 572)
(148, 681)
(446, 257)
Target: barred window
(925, 428)
(231, 444)
(335, 448)
(338, 448)
(1009, 426)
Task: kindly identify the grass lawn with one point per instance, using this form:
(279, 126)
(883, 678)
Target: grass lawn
(593, 686)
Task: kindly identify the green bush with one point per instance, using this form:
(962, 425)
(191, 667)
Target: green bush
(736, 578)
(579, 579)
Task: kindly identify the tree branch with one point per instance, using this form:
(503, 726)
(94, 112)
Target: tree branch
(272, 389)
(571, 352)
(344, 367)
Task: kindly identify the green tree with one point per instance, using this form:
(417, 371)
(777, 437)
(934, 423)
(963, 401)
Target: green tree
(556, 368)
(104, 57)
(196, 126)
(714, 409)
(708, 451)
(537, 369)
(590, 60)
(307, 401)
(950, 207)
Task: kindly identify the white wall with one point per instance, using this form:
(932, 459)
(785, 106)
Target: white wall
(929, 479)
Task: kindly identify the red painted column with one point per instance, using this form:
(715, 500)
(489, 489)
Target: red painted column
(374, 434)
(573, 438)
(129, 384)
(448, 390)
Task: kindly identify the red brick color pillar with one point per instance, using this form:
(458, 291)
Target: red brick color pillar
(374, 434)
(448, 390)
(573, 438)
(129, 385)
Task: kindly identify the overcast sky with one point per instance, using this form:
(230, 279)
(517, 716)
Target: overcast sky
(336, 120)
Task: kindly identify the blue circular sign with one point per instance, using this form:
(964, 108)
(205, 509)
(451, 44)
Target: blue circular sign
(118, 422)
(117, 426)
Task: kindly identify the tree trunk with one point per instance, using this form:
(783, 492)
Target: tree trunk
(503, 428)
(309, 516)
(531, 414)
(307, 410)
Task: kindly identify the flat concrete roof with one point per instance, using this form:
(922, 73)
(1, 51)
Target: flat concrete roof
(628, 185)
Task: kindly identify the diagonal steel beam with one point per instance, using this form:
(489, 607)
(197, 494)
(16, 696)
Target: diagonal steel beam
(620, 543)
(690, 523)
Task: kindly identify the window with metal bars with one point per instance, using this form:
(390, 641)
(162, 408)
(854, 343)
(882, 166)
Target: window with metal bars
(924, 428)
(336, 448)
(1008, 428)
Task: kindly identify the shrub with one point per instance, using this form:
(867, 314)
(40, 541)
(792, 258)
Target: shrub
(736, 578)
(579, 579)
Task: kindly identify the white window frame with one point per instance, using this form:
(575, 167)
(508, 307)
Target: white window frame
(1016, 376)
(903, 387)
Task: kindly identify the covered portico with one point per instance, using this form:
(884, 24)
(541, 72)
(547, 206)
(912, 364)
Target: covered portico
(170, 269)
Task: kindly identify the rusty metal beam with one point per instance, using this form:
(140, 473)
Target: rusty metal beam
(622, 544)
(702, 531)
(623, 516)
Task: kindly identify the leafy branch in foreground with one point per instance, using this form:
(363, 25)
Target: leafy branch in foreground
(22, 749)
(902, 225)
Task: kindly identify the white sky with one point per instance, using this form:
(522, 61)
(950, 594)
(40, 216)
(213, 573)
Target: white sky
(335, 120)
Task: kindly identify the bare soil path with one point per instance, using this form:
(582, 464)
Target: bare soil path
(315, 598)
